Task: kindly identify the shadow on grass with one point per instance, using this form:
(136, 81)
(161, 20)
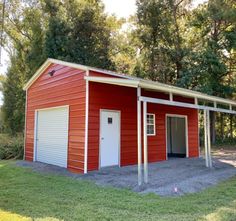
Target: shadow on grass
(30, 195)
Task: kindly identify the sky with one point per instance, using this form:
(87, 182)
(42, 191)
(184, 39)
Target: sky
(121, 8)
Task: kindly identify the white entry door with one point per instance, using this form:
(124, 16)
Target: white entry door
(109, 138)
(52, 136)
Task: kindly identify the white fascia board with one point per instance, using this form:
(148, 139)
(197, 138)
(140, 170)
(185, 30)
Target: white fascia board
(112, 73)
(85, 68)
(183, 92)
(114, 81)
(69, 64)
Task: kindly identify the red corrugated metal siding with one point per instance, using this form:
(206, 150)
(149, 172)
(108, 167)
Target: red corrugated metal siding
(158, 95)
(99, 74)
(157, 144)
(183, 99)
(66, 87)
(104, 96)
(160, 113)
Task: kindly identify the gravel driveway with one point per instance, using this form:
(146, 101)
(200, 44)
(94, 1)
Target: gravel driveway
(168, 178)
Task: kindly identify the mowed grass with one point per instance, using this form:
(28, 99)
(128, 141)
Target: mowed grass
(28, 195)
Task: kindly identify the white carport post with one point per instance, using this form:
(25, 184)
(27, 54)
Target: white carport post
(145, 148)
(139, 137)
(207, 138)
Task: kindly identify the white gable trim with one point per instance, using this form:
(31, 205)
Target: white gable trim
(49, 61)
(42, 68)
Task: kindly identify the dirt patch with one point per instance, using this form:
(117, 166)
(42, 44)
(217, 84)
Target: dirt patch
(225, 156)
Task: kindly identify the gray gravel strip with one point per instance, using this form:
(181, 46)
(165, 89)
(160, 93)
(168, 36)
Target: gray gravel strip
(174, 177)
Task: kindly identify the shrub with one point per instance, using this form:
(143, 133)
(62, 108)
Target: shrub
(11, 147)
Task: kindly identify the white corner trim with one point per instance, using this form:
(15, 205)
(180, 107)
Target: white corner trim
(35, 134)
(86, 126)
(25, 132)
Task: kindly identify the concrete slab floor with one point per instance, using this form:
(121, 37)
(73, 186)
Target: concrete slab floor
(174, 177)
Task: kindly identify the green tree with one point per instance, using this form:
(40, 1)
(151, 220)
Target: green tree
(213, 27)
(161, 26)
(78, 31)
(24, 28)
(124, 50)
(14, 99)
(58, 30)
(71, 30)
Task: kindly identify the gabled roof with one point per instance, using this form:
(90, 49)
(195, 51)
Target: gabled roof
(129, 81)
(50, 61)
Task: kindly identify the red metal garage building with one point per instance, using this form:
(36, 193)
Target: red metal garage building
(84, 118)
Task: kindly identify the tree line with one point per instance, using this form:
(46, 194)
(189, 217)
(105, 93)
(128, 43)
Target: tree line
(168, 41)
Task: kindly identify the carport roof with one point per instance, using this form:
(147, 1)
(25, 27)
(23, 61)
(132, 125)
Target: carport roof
(130, 81)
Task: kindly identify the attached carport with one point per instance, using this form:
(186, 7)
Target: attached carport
(203, 102)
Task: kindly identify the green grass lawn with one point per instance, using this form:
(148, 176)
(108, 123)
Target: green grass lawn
(27, 195)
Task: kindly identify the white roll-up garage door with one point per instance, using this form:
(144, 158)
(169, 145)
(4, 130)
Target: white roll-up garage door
(52, 136)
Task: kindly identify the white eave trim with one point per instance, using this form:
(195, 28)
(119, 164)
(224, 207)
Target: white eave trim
(114, 81)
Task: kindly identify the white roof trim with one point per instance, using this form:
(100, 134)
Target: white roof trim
(183, 92)
(37, 74)
(69, 64)
(114, 81)
(128, 81)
